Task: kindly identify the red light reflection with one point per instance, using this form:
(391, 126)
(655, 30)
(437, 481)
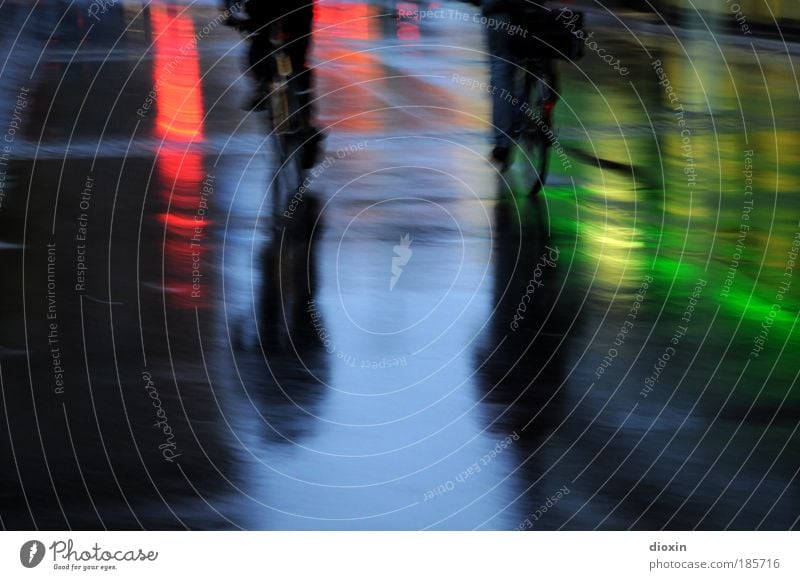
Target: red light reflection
(179, 123)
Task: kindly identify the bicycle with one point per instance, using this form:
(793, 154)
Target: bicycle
(294, 141)
(537, 82)
(533, 136)
(285, 123)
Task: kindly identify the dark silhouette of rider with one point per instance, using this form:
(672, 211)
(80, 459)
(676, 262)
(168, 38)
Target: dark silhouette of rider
(295, 18)
(501, 70)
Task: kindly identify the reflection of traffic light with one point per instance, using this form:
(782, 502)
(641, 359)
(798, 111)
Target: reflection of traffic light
(184, 186)
(176, 77)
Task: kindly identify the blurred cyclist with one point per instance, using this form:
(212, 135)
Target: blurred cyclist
(296, 18)
(501, 69)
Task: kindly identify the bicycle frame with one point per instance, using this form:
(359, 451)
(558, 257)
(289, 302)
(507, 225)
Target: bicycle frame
(532, 138)
(284, 123)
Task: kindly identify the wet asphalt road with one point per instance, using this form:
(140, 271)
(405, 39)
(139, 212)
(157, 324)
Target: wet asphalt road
(413, 343)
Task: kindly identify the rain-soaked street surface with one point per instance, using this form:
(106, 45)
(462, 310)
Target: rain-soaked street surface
(412, 343)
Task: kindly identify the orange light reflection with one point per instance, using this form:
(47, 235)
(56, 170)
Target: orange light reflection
(179, 123)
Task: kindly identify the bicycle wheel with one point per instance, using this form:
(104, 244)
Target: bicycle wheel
(531, 153)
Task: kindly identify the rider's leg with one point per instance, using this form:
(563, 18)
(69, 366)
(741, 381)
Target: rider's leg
(502, 71)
